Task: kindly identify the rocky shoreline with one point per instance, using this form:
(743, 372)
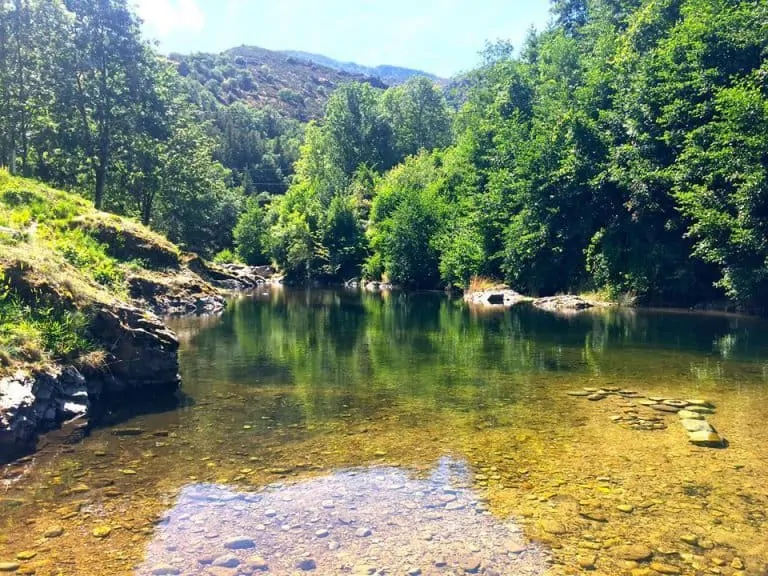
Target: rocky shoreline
(503, 297)
(137, 358)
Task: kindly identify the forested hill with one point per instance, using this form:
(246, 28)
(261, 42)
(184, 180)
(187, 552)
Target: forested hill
(391, 75)
(297, 87)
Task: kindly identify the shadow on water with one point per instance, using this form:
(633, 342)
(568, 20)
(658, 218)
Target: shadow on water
(374, 520)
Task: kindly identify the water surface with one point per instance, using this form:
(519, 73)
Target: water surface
(309, 417)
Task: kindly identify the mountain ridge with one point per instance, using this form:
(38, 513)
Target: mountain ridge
(388, 73)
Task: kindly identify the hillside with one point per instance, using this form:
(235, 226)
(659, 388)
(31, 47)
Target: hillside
(77, 287)
(263, 78)
(391, 75)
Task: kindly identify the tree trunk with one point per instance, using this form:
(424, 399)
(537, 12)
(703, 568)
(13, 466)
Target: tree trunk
(101, 182)
(146, 210)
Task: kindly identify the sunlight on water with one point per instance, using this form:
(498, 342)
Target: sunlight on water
(292, 398)
(376, 520)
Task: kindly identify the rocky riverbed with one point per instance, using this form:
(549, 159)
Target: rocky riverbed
(378, 520)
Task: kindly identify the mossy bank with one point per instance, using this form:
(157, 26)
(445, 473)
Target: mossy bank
(81, 295)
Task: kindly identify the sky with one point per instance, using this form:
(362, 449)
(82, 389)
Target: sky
(443, 37)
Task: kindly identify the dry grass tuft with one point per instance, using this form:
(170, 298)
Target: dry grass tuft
(482, 283)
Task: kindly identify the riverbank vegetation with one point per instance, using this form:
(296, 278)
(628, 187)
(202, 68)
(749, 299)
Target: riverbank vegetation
(621, 150)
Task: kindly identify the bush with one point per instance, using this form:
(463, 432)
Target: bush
(226, 256)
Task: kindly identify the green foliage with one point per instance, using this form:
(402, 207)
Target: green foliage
(249, 235)
(226, 256)
(89, 256)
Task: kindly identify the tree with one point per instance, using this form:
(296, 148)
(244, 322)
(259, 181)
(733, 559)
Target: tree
(249, 235)
(418, 114)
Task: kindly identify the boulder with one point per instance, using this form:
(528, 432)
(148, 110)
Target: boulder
(503, 297)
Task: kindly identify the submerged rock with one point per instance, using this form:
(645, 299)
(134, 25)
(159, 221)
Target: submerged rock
(706, 438)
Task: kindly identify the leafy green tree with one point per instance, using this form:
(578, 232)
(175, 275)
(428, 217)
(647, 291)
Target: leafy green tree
(249, 235)
(418, 115)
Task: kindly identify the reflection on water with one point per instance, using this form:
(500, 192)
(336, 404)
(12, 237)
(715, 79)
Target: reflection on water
(294, 386)
(376, 520)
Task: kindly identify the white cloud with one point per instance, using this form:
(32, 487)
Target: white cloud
(166, 16)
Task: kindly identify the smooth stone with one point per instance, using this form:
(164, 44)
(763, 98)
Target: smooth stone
(696, 425)
(102, 531)
(701, 409)
(593, 515)
(705, 438)
(306, 564)
(656, 398)
(9, 566)
(675, 403)
(455, 506)
(699, 402)
(414, 572)
(690, 539)
(647, 402)
(363, 532)
(690, 415)
(257, 563)
(578, 393)
(587, 562)
(635, 552)
(164, 570)
(596, 397)
(53, 532)
(470, 564)
(239, 543)
(662, 568)
(626, 508)
(322, 533)
(227, 561)
(665, 408)
(552, 527)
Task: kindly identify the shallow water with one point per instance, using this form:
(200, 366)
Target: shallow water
(442, 433)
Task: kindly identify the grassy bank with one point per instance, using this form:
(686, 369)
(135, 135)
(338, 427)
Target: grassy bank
(58, 258)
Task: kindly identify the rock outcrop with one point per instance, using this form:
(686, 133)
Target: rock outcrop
(141, 359)
(563, 304)
(33, 402)
(496, 297)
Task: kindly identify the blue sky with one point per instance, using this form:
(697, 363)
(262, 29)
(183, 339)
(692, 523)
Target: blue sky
(439, 36)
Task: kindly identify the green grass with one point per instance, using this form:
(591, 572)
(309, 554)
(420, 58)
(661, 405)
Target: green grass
(66, 256)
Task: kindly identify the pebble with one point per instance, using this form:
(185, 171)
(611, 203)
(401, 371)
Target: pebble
(596, 397)
(580, 393)
(306, 564)
(321, 533)
(26, 555)
(690, 539)
(9, 566)
(626, 508)
(164, 570)
(737, 564)
(227, 561)
(102, 531)
(414, 571)
(662, 568)
(636, 552)
(470, 564)
(239, 543)
(675, 403)
(257, 563)
(701, 409)
(690, 415)
(587, 562)
(363, 532)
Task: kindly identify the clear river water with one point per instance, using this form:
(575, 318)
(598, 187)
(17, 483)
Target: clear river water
(336, 432)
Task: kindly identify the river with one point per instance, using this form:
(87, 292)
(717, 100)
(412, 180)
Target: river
(334, 432)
